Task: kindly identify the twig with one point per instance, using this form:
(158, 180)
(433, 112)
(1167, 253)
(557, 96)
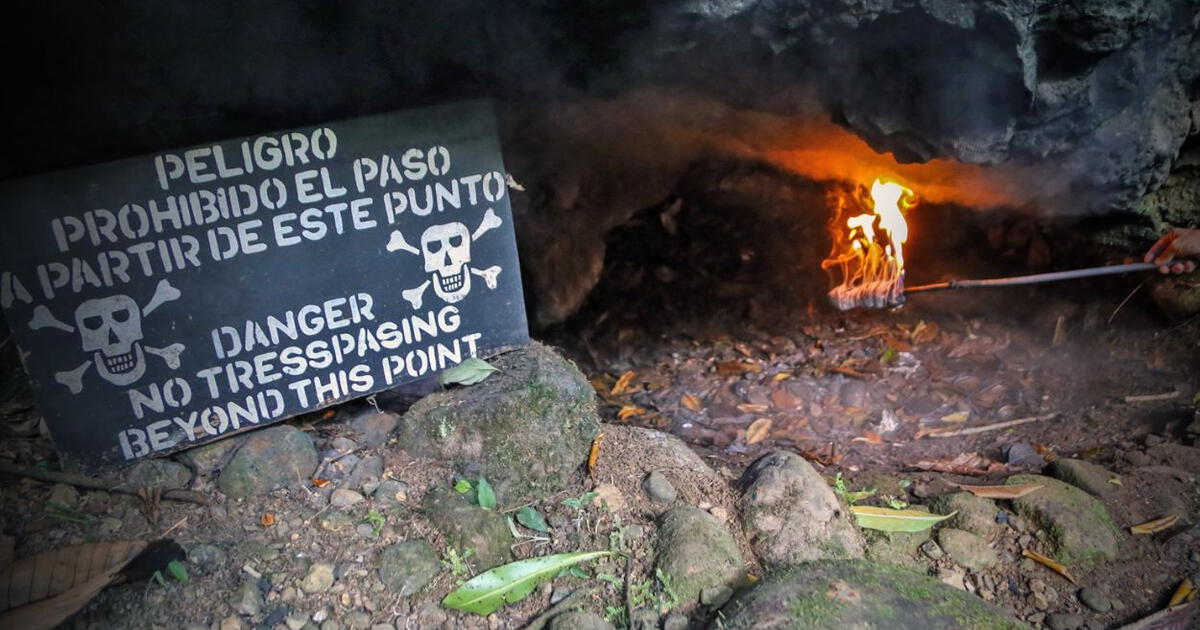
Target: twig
(5, 342)
(1152, 397)
(1124, 302)
(991, 427)
(567, 603)
(628, 589)
(97, 483)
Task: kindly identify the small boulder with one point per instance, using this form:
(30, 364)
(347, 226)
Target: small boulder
(247, 600)
(969, 550)
(469, 527)
(659, 488)
(343, 498)
(843, 594)
(1095, 599)
(390, 492)
(579, 620)
(1093, 479)
(973, 514)
(318, 579)
(407, 566)
(527, 428)
(160, 474)
(374, 427)
(791, 515)
(1079, 526)
(696, 550)
(366, 474)
(274, 457)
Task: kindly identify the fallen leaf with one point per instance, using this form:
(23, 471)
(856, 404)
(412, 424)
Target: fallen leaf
(1155, 526)
(752, 408)
(1185, 592)
(1014, 491)
(532, 519)
(318, 482)
(889, 520)
(487, 592)
(629, 411)
(594, 454)
(964, 464)
(1057, 567)
(848, 371)
(267, 520)
(958, 416)
(782, 376)
(924, 332)
(737, 368)
(468, 372)
(870, 437)
(622, 384)
(758, 430)
(485, 495)
(691, 402)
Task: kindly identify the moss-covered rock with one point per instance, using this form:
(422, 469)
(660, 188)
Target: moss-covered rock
(899, 548)
(844, 594)
(1080, 527)
(1096, 480)
(791, 515)
(270, 458)
(407, 566)
(697, 552)
(527, 428)
(469, 529)
(969, 550)
(971, 513)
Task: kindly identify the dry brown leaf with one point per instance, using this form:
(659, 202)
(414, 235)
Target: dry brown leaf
(737, 368)
(1185, 592)
(41, 591)
(1057, 567)
(849, 371)
(957, 416)
(1014, 491)
(924, 332)
(601, 383)
(629, 411)
(758, 430)
(1155, 526)
(594, 454)
(752, 408)
(782, 376)
(267, 520)
(319, 482)
(964, 464)
(622, 385)
(870, 437)
(691, 402)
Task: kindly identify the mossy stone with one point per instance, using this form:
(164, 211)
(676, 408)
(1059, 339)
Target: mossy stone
(407, 566)
(469, 527)
(527, 428)
(1080, 527)
(697, 552)
(842, 594)
(1095, 480)
(974, 514)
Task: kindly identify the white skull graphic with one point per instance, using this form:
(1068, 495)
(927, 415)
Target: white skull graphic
(111, 329)
(447, 250)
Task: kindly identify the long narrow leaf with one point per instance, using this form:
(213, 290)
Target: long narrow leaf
(889, 520)
(505, 584)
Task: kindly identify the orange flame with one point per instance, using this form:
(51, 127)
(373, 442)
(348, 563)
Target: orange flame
(869, 255)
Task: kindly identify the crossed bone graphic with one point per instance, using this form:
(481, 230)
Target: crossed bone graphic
(111, 329)
(446, 249)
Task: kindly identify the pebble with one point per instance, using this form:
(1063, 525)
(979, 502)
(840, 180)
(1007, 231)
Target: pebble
(247, 600)
(232, 623)
(1154, 439)
(208, 558)
(358, 620)
(296, 620)
(659, 488)
(1095, 599)
(390, 492)
(319, 578)
(365, 530)
(932, 550)
(64, 495)
(1065, 621)
(344, 498)
(675, 621)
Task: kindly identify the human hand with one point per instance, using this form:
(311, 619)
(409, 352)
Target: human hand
(1177, 242)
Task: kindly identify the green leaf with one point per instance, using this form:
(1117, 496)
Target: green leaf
(487, 498)
(895, 520)
(505, 584)
(530, 518)
(468, 372)
(462, 486)
(177, 571)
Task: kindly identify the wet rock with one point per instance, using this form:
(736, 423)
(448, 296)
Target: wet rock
(270, 458)
(526, 428)
(390, 492)
(1023, 455)
(974, 514)
(162, 474)
(343, 498)
(841, 594)
(467, 526)
(967, 549)
(697, 552)
(247, 600)
(899, 548)
(373, 428)
(1079, 527)
(579, 620)
(1095, 599)
(407, 566)
(659, 488)
(1084, 475)
(791, 515)
(1065, 621)
(318, 579)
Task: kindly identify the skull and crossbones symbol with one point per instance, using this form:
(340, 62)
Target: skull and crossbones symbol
(446, 250)
(110, 328)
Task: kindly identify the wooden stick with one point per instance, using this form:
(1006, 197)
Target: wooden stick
(97, 483)
(1152, 397)
(992, 427)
